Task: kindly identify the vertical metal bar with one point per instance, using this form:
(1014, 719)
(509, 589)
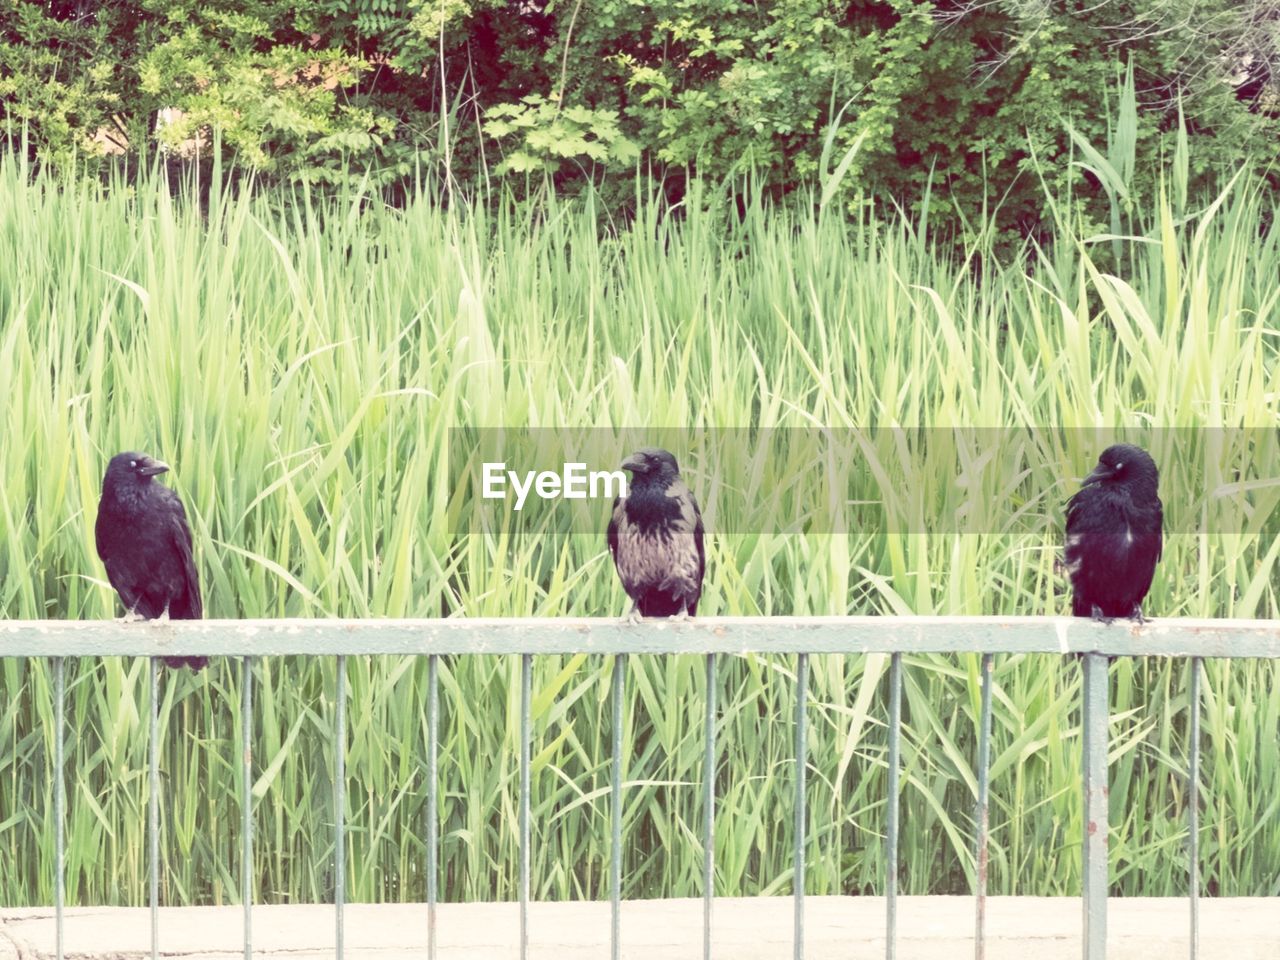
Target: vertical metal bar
(709, 809)
(246, 801)
(153, 807)
(984, 808)
(1095, 806)
(891, 853)
(433, 801)
(59, 799)
(802, 760)
(615, 809)
(526, 736)
(1193, 804)
(339, 809)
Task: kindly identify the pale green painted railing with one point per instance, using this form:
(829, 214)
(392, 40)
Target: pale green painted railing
(711, 637)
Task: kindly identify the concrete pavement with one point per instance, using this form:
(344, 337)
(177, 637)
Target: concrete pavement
(931, 928)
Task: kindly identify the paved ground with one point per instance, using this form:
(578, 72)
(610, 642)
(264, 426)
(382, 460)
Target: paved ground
(932, 928)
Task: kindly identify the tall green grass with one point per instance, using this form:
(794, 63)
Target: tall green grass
(301, 363)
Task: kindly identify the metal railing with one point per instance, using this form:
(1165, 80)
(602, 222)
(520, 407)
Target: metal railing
(710, 637)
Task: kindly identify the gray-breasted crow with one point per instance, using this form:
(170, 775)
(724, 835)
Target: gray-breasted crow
(655, 536)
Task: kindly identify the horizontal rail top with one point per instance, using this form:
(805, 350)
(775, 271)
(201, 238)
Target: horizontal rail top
(1061, 635)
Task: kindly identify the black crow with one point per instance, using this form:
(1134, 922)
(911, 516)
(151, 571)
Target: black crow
(145, 544)
(655, 536)
(1114, 535)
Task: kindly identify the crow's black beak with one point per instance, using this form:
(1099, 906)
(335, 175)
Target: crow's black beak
(150, 467)
(635, 463)
(1100, 472)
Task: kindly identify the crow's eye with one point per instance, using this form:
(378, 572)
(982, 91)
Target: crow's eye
(133, 463)
(1119, 467)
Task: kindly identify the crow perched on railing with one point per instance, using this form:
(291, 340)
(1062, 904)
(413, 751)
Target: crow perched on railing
(655, 536)
(1114, 535)
(145, 544)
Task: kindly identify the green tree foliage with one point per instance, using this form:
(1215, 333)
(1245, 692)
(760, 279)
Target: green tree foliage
(545, 135)
(971, 99)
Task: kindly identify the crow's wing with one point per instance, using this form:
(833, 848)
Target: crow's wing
(1077, 523)
(1075, 508)
(130, 596)
(699, 532)
(611, 534)
(180, 539)
(100, 535)
(120, 573)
